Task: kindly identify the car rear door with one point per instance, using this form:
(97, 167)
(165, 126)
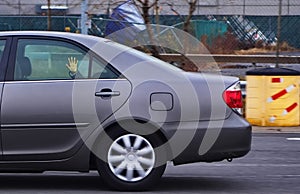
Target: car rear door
(4, 51)
(45, 113)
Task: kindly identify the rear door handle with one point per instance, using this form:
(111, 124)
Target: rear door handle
(107, 93)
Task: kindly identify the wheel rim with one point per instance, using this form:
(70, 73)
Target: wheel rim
(131, 158)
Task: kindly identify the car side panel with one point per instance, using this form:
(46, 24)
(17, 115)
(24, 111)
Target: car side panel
(49, 119)
(78, 162)
(1, 88)
(37, 119)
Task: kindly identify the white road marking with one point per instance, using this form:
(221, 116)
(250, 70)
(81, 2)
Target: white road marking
(293, 139)
(230, 165)
(285, 175)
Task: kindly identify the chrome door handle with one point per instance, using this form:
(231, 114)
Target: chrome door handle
(107, 94)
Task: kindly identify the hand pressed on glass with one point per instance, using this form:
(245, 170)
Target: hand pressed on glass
(72, 66)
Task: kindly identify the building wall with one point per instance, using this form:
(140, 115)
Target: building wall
(204, 7)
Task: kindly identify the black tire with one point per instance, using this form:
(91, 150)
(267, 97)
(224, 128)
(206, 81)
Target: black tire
(117, 181)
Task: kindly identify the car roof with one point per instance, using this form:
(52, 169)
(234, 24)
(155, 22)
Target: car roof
(40, 33)
(107, 49)
(87, 40)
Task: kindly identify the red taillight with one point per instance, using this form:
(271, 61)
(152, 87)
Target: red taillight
(233, 97)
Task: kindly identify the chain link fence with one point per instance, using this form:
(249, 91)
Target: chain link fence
(220, 33)
(251, 30)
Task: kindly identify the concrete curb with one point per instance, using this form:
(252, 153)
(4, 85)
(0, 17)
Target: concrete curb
(258, 129)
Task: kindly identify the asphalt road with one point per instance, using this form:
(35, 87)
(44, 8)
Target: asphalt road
(273, 166)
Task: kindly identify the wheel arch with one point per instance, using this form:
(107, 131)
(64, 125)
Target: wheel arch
(130, 121)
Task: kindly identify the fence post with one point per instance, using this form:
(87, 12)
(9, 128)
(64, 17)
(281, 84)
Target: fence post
(84, 17)
(49, 15)
(278, 33)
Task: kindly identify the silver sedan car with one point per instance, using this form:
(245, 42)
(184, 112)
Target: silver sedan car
(73, 102)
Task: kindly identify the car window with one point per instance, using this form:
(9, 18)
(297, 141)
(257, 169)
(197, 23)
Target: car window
(38, 59)
(2, 45)
(102, 70)
(46, 59)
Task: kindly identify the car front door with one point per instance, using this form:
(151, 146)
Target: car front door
(45, 112)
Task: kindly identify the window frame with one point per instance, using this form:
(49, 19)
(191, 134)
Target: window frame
(94, 56)
(13, 55)
(5, 57)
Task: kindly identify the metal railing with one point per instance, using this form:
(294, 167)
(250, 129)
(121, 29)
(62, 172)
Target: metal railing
(219, 58)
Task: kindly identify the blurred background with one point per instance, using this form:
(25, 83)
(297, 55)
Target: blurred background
(223, 26)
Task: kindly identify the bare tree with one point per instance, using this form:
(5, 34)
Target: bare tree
(192, 8)
(145, 6)
(49, 15)
(11, 4)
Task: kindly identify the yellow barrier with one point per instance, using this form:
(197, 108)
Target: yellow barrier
(273, 100)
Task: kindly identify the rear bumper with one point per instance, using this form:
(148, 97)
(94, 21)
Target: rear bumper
(211, 141)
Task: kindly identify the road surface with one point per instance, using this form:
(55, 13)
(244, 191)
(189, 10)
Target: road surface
(273, 166)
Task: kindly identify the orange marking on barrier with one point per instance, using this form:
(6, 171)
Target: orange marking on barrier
(277, 80)
(281, 93)
(289, 109)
